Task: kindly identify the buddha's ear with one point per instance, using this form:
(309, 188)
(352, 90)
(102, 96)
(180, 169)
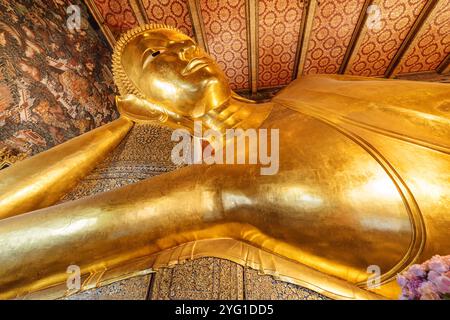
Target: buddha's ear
(142, 111)
(139, 110)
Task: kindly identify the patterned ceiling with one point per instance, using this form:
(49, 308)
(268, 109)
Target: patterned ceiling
(264, 44)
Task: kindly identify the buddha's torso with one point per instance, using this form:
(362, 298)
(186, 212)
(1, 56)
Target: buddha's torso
(361, 182)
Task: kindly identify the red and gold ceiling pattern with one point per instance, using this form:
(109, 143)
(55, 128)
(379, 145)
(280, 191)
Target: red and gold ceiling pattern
(278, 30)
(267, 46)
(118, 15)
(226, 38)
(381, 41)
(170, 12)
(432, 45)
(333, 26)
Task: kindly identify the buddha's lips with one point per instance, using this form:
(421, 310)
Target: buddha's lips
(194, 65)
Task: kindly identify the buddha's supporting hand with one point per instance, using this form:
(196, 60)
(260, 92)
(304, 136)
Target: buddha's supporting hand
(42, 180)
(143, 111)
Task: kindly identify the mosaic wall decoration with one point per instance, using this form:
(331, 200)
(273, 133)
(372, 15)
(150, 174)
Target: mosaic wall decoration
(219, 279)
(55, 84)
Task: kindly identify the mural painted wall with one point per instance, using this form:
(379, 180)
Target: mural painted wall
(55, 83)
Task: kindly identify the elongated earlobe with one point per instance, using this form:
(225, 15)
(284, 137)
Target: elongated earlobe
(142, 111)
(139, 110)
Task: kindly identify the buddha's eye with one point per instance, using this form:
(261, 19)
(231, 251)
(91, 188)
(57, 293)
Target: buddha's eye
(149, 56)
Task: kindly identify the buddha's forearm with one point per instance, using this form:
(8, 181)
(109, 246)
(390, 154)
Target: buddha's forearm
(41, 180)
(107, 229)
(110, 229)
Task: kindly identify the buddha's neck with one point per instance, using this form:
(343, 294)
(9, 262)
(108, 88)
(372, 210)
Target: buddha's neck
(236, 114)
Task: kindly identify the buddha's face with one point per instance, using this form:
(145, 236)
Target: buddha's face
(169, 69)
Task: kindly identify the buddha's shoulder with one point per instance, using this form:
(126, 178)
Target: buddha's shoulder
(414, 111)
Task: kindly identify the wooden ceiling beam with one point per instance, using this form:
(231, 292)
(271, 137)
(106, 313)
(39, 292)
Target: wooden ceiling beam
(251, 7)
(138, 6)
(101, 22)
(301, 43)
(197, 24)
(139, 11)
(418, 24)
(308, 13)
(444, 67)
(355, 36)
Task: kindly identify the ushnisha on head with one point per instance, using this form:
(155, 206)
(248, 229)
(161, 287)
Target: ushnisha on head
(161, 72)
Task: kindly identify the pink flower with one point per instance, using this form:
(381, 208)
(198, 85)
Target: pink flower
(446, 260)
(410, 291)
(407, 295)
(427, 281)
(433, 275)
(442, 284)
(438, 264)
(417, 270)
(430, 296)
(402, 280)
(428, 291)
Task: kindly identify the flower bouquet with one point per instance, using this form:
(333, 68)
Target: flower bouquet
(427, 281)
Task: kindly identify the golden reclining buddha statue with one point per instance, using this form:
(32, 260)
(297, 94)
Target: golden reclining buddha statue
(362, 181)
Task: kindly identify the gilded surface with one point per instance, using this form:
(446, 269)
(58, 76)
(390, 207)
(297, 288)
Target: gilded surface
(362, 181)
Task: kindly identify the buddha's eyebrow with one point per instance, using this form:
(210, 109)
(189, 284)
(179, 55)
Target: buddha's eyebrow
(155, 42)
(152, 50)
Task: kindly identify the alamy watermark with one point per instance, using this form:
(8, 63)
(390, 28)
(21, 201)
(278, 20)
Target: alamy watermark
(73, 281)
(373, 21)
(374, 280)
(236, 146)
(73, 21)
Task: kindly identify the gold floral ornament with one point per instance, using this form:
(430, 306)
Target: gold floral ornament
(163, 75)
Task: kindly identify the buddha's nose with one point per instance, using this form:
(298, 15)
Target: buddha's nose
(189, 51)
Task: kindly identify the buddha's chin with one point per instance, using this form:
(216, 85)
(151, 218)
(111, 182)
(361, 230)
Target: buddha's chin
(218, 92)
(215, 95)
